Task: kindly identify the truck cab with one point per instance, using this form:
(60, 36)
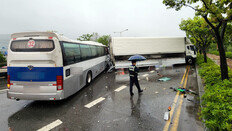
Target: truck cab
(191, 54)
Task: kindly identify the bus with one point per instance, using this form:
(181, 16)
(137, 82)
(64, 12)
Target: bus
(48, 66)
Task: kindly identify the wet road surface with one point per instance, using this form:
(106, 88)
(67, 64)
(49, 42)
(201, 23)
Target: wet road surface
(110, 106)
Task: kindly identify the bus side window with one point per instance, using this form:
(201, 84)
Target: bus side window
(72, 53)
(100, 51)
(94, 51)
(85, 52)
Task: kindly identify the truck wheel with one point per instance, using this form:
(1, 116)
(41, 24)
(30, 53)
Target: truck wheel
(88, 78)
(190, 61)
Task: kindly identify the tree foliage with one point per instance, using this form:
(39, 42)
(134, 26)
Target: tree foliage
(217, 13)
(197, 30)
(105, 39)
(228, 38)
(2, 58)
(216, 105)
(88, 37)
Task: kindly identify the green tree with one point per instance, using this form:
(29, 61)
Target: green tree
(2, 58)
(228, 38)
(217, 13)
(197, 31)
(88, 37)
(105, 39)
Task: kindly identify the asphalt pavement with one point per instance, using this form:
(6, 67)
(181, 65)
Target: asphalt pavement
(106, 105)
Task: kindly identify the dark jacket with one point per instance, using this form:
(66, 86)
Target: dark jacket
(133, 71)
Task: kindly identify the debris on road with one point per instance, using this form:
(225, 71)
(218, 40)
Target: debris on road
(147, 78)
(184, 91)
(166, 116)
(169, 108)
(164, 79)
(192, 92)
(156, 92)
(185, 95)
(159, 74)
(194, 101)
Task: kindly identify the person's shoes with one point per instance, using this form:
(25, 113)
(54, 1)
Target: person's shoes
(140, 91)
(131, 94)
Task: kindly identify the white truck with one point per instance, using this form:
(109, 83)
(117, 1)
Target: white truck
(121, 48)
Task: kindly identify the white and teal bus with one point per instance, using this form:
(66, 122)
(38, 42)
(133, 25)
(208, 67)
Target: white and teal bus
(48, 66)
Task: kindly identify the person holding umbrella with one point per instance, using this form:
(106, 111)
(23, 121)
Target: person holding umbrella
(133, 72)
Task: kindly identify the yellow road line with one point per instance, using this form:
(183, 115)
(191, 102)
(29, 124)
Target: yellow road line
(184, 75)
(177, 115)
(186, 79)
(174, 103)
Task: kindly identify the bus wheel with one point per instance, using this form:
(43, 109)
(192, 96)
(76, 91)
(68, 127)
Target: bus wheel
(88, 78)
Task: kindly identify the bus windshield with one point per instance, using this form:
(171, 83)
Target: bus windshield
(32, 45)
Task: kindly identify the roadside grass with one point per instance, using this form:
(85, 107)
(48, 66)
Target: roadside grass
(228, 54)
(217, 100)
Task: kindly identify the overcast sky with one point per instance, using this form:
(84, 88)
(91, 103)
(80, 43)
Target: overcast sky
(143, 18)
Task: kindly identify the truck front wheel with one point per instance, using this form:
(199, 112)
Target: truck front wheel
(189, 60)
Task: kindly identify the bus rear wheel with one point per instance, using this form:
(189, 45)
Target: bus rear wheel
(88, 78)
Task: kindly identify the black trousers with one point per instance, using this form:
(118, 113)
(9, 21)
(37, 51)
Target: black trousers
(134, 80)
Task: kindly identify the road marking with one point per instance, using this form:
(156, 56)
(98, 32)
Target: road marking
(187, 68)
(185, 83)
(152, 71)
(177, 115)
(94, 102)
(120, 88)
(51, 125)
(3, 91)
(166, 127)
(171, 112)
(145, 75)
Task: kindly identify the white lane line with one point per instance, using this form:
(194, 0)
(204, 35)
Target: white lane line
(94, 102)
(145, 75)
(3, 91)
(120, 88)
(51, 125)
(152, 71)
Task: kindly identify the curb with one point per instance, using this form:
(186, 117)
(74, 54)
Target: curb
(201, 91)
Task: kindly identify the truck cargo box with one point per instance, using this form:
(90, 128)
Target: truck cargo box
(123, 46)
